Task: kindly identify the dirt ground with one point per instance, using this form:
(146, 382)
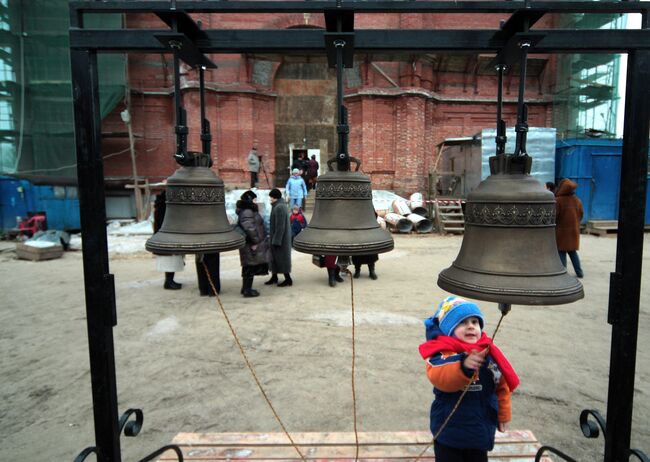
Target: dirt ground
(176, 359)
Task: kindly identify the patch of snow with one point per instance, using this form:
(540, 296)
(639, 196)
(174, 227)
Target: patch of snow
(164, 326)
(374, 318)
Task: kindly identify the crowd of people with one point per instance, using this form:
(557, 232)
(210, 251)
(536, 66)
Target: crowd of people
(267, 247)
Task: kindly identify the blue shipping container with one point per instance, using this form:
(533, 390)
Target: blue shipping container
(595, 165)
(15, 201)
(19, 197)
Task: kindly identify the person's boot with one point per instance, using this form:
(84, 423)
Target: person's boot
(357, 271)
(170, 284)
(248, 288)
(331, 278)
(287, 281)
(273, 280)
(371, 269)
(337, 275)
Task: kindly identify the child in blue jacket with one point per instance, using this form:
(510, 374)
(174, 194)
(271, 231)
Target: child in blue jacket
(460, 355)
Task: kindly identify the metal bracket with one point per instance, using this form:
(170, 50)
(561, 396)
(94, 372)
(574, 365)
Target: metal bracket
(339, 23)
(186, 49)
(511, 52)
(615, 297)
(182, 39)
(331, 40)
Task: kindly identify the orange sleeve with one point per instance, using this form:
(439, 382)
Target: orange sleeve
(448, 377)
(505, 405)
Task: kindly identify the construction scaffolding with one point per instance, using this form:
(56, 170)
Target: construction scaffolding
(36, 117)
(586, 96)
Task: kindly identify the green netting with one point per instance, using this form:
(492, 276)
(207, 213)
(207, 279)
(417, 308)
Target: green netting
(586, 92)
(36, 114)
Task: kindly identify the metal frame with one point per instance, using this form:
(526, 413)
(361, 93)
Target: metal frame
(625, 281)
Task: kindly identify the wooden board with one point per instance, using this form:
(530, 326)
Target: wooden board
(513, 446)
(28, 252)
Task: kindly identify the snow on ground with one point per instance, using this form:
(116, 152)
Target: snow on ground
(127, 236)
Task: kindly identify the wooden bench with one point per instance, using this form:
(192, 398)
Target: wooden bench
(513, 446)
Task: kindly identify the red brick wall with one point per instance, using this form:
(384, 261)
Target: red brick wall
(398, 114)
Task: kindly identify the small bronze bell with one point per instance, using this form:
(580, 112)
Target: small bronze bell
(343, 222)
(509, 254)
(195, 218)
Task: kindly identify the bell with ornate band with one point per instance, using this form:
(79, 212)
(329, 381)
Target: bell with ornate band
(509, 254)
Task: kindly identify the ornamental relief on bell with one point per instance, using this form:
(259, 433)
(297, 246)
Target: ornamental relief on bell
(338, 190)
(193, 194)
(510, 214)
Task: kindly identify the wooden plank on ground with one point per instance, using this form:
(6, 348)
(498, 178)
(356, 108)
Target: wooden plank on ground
(513, 446)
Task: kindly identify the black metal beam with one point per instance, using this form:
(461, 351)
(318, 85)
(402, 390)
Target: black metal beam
(366, 41)
(361, 6)
(625, 289)
(99, 287)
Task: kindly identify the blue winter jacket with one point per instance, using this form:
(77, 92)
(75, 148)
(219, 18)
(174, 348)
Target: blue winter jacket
(474, 423)
(296, 187)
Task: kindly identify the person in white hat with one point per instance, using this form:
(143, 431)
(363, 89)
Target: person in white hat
(296, 189)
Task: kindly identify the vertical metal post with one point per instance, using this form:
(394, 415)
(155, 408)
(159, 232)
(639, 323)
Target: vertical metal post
(342, 128)
(98, 282)
(501, 138)
(522, 110)
(625, 283)
(206, 138)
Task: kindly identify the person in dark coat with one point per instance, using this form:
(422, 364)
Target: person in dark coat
(280, 237)
(369, 260)
(333, 270)
(159, 208)
(550, 186)
(568, 214)
(212, 262)
(254, 256)
(312, 172)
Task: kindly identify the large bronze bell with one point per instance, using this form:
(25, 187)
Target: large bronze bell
(509, 254)
(195, 217)
(343, 222)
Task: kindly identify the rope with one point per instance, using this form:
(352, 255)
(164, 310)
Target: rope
(249, 365)
(460, 398)
(354, 393)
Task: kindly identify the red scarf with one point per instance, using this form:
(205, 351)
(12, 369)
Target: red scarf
(444, 343)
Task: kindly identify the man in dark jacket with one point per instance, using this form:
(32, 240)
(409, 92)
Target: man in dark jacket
(568, 214)
(280, 235)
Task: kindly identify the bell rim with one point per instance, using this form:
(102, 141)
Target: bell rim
(343, 249)
(156, 247)
(518, 296)
(504, 274)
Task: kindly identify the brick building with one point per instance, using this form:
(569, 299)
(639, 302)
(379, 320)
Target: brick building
(399, 110)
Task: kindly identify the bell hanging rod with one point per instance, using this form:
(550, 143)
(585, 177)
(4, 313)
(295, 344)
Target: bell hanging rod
(501, 138)
(180, 41)
(521, 128)
(206, 137)
(339, 43)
